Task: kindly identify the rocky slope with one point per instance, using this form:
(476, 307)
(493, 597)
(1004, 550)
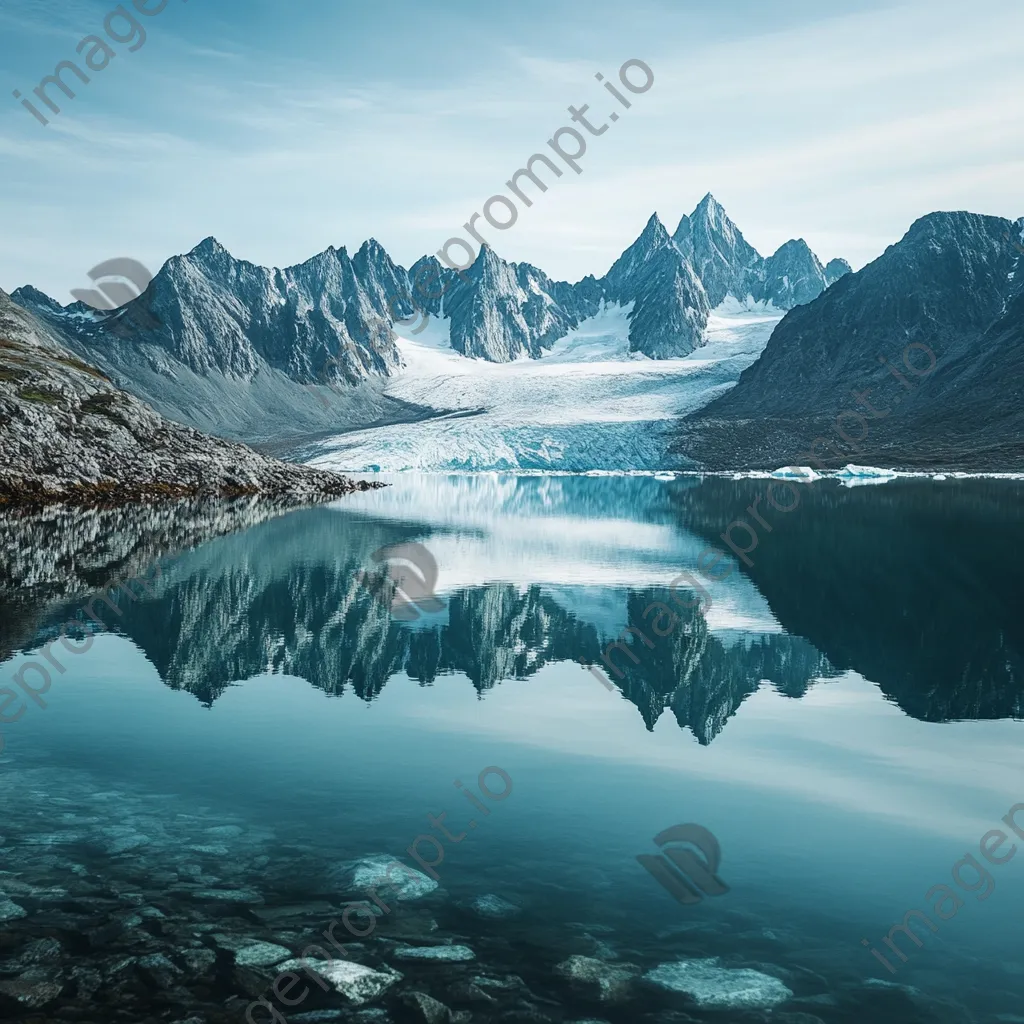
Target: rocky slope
(67, 434)
(500, 311)
(670, 306)
(952, 286)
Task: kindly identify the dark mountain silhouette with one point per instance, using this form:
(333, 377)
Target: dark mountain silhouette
(951, 287)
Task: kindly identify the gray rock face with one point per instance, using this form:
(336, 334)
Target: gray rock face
(501, 311)
(728, 265)
(70, 435)
(952, 285)
(721, 257)
(792, 277)
(670, 307)
(711, 985)
(319, 321)
(836, 269)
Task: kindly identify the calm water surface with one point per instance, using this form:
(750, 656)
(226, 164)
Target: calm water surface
(843, 716)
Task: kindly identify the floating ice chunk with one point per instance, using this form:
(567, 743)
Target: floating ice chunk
(854, 476)
(851, 470)
(710, 985)
(795, 473)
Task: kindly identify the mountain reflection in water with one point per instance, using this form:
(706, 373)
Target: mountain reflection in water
(912, 585)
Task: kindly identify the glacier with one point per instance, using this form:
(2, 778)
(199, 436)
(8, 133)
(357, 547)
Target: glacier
(587, 405)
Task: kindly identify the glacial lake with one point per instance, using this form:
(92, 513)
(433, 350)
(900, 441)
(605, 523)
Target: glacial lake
(842, 715)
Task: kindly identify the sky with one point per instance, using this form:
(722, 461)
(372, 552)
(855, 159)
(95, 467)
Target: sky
(283, 128)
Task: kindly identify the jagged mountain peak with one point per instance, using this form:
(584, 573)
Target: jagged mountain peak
(655, 234)
(794, 246)
(722, 258)
(835, 269)
(209, 246)
(709, 209)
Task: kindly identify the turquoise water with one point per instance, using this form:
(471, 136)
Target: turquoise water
(843, 715)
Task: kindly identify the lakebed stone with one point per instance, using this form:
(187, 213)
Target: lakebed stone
(425, 1009)
(711, 985)
(491, 907)
(358, 983)
(605, 983)
(380, 871)
(437, 954)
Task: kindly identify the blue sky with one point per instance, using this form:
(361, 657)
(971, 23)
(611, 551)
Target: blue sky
(282, 128)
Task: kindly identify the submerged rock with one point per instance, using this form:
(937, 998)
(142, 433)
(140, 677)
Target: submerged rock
(380, 871)
(33, 989)
(160, 971)
(228, 895)
(425, 1009)
(597, 980)
(261, 954)
(491, 907)
(446, 954)
(358, 983)
(710, 985)
(9, 910)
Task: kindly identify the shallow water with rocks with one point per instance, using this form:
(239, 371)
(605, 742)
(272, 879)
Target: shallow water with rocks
(232, 771)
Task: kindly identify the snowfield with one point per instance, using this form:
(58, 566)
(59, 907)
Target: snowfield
(586, 405)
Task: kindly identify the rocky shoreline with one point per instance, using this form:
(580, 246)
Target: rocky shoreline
(69, 436)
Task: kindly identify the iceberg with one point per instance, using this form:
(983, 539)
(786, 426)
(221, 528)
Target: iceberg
(795, 473)
(856, 476)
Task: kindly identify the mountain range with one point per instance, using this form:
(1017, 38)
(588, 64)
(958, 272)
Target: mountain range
(252, 352)
(269, 355)
(915, 361)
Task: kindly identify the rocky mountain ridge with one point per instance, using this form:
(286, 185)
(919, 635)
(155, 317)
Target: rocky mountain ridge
(225, 345)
